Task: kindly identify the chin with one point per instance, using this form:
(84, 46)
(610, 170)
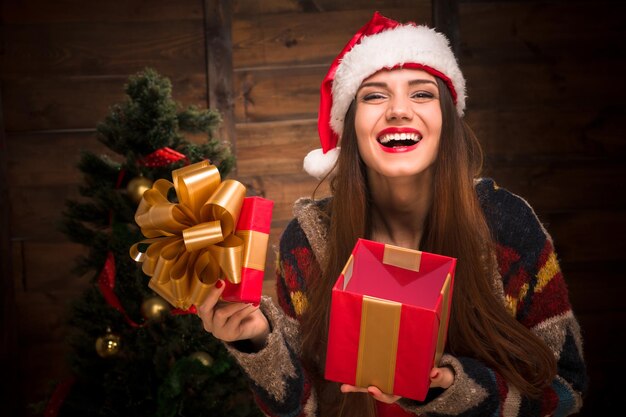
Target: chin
(399, 173)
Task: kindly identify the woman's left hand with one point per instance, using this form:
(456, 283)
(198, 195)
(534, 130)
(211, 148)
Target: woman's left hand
(373, 391)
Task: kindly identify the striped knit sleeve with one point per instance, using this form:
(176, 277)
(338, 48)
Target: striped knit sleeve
(279, 381)
(536, 294)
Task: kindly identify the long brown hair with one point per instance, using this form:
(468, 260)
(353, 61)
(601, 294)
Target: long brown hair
(480, 327)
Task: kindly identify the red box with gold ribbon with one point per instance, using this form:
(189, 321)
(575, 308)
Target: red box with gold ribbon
(211, 231)
(389, 318)
(254, 229)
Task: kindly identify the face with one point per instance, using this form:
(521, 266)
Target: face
(398, 122)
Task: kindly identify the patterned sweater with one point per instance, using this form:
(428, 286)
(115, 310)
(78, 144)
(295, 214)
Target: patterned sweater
(529, 283)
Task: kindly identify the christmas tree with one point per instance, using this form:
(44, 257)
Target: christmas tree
(132, 354)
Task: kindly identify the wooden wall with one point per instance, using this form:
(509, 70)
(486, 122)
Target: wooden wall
(546, 102)
(281, 51)
(63, 64)
(544, 98)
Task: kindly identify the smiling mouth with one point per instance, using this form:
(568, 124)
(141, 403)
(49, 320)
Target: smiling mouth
(393, 140)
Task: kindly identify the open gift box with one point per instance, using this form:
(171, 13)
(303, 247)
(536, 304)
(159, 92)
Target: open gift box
(389, 318)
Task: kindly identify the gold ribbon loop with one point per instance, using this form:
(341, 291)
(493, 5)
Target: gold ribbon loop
(195, 184)
(202, 235)
(229, 255)
(191, 242)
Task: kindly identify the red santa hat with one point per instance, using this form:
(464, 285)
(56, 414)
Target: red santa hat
(381, 44)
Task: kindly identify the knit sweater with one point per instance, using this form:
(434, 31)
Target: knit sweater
(529, 283)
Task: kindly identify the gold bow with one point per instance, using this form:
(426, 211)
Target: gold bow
(191, 243)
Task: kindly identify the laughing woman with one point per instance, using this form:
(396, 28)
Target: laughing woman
(406, 174)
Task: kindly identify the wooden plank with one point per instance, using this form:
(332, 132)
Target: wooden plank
(284, 190)
(43, 314)
(219, 65)
(48, 269)
(604, 383)
(563, 185)
(65, 11)
(599, 334)
(255, 7)
(516, 30)
(588, 236)
(46, 103)
(587, 130)
(43, 299)
(259, 7)
(38, 211)
(274, 148)
(103, 48)
(546, 87)
(34, 159)
(595, 287)
(44, 365)
(278, 94)
(446, 20)
(9, 346)
(303, 38)
(41, 207)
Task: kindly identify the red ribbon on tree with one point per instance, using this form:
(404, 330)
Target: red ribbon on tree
(58, 397)
(162, 157)
(106, 283)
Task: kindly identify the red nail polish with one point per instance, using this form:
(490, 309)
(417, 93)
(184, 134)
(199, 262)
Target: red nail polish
(219, 284)
(255, 305)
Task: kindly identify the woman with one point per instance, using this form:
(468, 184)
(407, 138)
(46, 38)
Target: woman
(405, 175)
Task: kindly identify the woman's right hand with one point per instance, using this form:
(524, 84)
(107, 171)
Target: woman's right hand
(233, 321)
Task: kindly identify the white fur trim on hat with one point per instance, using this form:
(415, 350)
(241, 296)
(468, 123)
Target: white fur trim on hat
(318, 164)
(416, 44)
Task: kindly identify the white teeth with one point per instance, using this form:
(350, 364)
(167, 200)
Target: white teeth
(399, 136)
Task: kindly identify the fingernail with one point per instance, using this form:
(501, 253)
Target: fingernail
(435, 375)
(219, 284)
(255, 304)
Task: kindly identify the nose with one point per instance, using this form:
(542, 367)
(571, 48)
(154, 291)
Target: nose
(399, 108)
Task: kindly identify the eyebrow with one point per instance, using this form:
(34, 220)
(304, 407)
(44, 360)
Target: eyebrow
(384, 85)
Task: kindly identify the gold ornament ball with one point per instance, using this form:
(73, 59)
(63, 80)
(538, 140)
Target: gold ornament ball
(108, 345)
(204, 358)
(137, 186)
(154, 308)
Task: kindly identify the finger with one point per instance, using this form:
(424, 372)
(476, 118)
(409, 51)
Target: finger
(441, 377)
(206, 308)
(234, 322)
(381, 396)
(222, 315)
(346, 388)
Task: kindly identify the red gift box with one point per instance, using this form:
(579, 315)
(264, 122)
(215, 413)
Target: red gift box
(212, 232)
(389, 318)
(254, 228)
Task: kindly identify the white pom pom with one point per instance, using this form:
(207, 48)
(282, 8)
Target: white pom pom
(318, 164)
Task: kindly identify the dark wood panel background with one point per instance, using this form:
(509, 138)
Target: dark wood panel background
(545, 99)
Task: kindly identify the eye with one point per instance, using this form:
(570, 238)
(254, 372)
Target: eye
(422, 96)
(373, 96)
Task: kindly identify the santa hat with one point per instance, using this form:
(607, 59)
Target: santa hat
(381, 43)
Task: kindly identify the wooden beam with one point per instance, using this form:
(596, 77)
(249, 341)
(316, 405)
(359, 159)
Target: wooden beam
(446, 21)
(219, 64)
(8, 345)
